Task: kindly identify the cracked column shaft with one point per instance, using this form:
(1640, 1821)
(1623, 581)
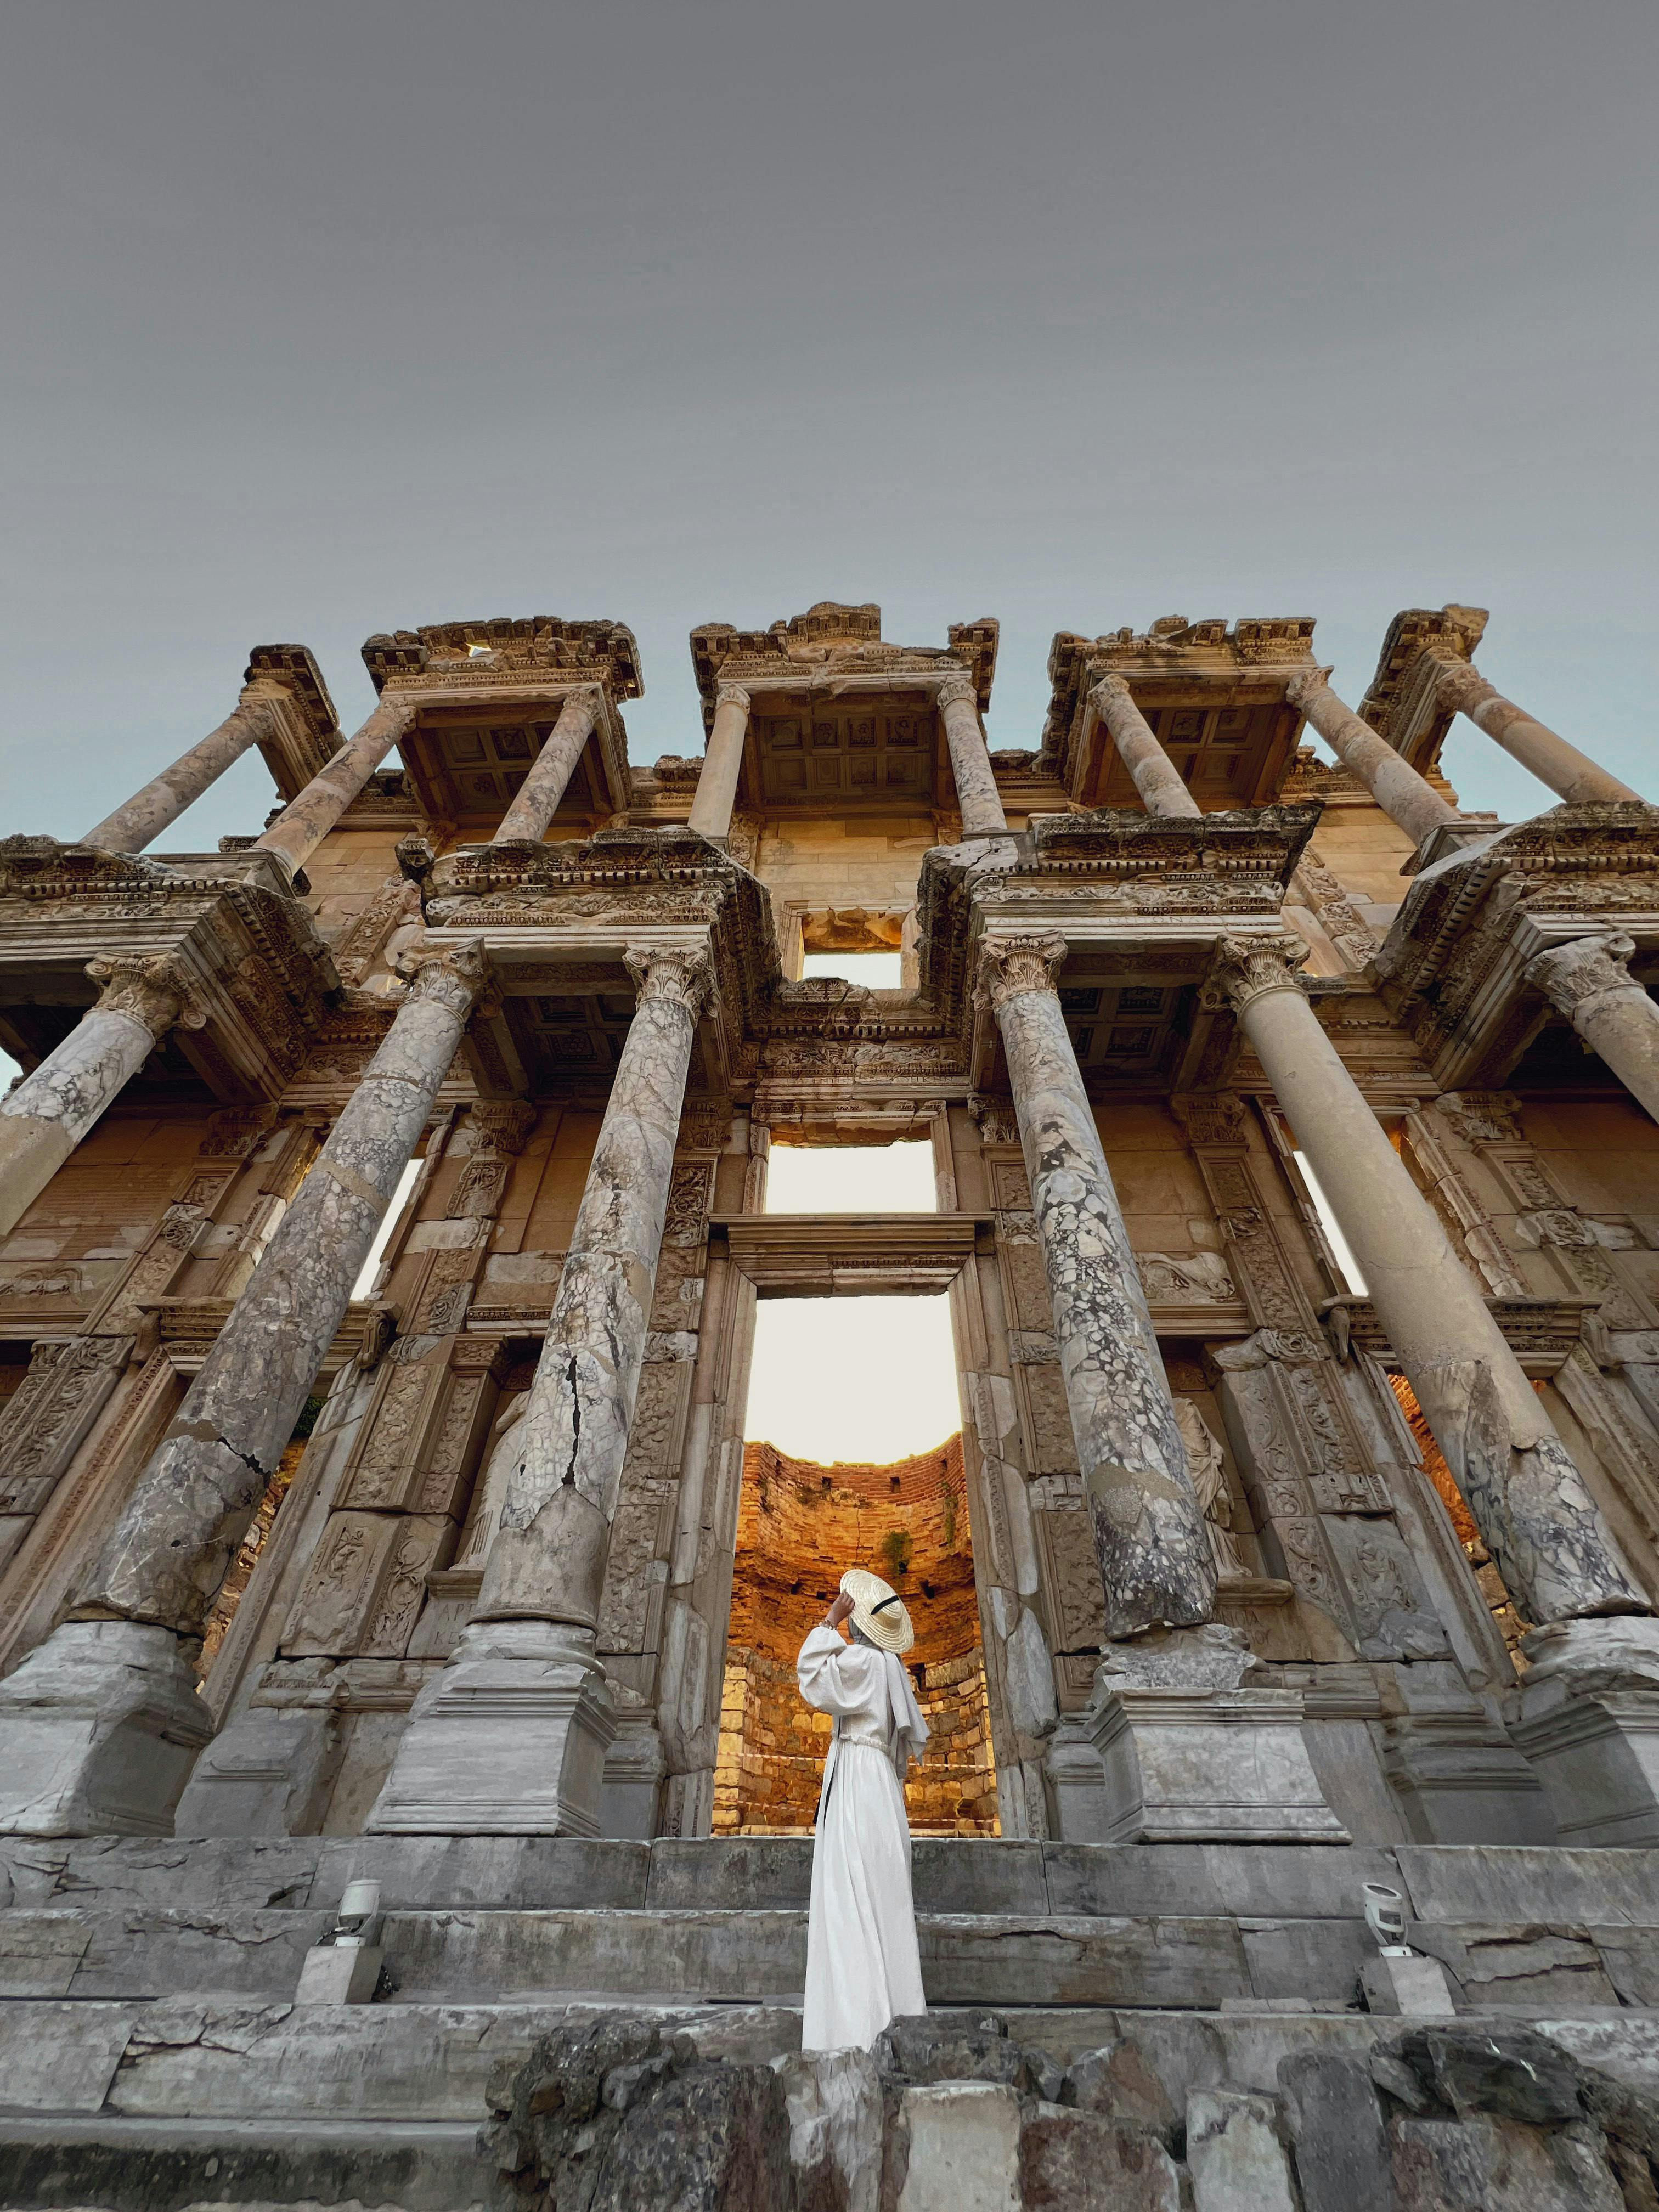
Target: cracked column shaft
(970, 761)
(1404, 796)
(1461, 685)
(1162, 786)
(167, 1555)
(304, 823)
(1150, 1536)
(1586, 979)
(46, 1118)
(1540, 1524)
(165, 797)
(525, 821)
(717, 786)
(548, 1560)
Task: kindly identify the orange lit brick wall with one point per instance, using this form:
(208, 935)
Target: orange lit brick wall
(799, 1525)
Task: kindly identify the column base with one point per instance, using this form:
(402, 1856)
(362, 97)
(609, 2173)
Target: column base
(1451, 1762)
(1186, 1755)
(510, 1740)
(1586, 1719)
(102, 1725)
(271, 1769)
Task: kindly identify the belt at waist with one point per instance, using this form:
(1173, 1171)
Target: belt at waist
(874, 1739)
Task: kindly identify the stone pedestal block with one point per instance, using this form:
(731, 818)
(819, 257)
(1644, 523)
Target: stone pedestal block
(269, 1773)
(632, 1790)
(1208, 1767)
(1406, 1981)
(102, 1725)
(336, 1973)
(510, 1740)
(1587, 1717)
(1458, 1777)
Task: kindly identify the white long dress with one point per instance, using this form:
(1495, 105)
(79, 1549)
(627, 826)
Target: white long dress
(863, 1968)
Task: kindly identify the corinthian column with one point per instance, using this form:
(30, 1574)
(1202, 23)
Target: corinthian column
(1459, 684)
(165, 797)
(1163, 788)
(304, 823)
(1586, 979)
(525, 821)
(46, 1118)
(510, 1738)
(102, 1722)
(1154, 1551)
(970, 764)
(1539, 1521)
(717, 786)
(1404, 796)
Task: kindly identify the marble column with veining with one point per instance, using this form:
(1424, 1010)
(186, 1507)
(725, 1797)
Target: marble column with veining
(510, 1738)
(717, 786)
(165, 797)
(304, 823)
(970, 761)
(1404, 796)
(1459, 684)
(1163, 788)
(1552, 1549)
(1154, 1551)
(537, 801)
(1587, 980)
(46, 1118)
(119, 1666)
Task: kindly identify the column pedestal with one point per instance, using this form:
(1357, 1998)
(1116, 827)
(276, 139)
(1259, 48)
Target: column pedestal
(102, 1734)
(1587, 1718)
(510, 1740)
(1185, 1751)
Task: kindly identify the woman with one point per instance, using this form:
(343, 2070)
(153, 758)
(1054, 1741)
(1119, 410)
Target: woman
(863, 1968)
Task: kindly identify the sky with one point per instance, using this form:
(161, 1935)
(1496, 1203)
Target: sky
(334, 316)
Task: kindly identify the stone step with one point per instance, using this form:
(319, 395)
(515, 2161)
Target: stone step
(1498, 1884)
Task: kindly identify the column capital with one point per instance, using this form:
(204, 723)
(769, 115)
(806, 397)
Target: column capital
(1244, 969)
(452, 975)
(1582, 968)
(732, 695)
(161, 993)
(957, 689)
(684, 974)
(1109, 687)
(1010, 965)
(1459, 684)
(1305, 684)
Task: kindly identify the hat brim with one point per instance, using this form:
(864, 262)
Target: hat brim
(878, 1611)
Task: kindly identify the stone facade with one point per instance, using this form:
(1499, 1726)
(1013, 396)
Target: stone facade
(1244, 1554)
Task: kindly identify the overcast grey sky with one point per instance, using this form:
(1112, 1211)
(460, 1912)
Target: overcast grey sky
(325, 317)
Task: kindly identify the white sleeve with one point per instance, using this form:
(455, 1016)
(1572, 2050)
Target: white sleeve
(835, 1676)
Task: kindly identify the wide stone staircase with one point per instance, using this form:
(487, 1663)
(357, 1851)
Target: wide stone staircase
(152, 2053)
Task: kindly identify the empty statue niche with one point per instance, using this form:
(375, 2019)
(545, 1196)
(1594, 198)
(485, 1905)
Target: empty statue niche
(798, 1526)
(1510, 1625)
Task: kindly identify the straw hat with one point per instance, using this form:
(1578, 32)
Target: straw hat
(878, 1610)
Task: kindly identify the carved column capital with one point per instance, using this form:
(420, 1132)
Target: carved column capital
(588, 697)
(681, 973)
(956, 689)
(732, 695)
(1244, 968)
(1305, 685)
(1109, 691)
(1008, 964)
(160, 993)
(1460, 685)
(452, 975)
(1582, 968)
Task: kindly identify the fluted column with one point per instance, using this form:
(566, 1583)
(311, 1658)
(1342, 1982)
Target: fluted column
(1154, 1551)
(102, 1722)
(1404, 796)
(970, 761)
(510, 1738)
(46, 1118)
(1163, 788)
(1459, 684)
(165, 797)
(1539, 1521)
(722, 760)
(304, 823)
(537, 800)
(1586, 979)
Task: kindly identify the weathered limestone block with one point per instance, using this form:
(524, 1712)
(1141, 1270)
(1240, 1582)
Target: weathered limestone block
(1234, 2154)
(835, 2102)
(1153, 1546)
(963, 2148)
(1335, 2120)
(1587, 1716)
(1090, 2163)
(44, 1118)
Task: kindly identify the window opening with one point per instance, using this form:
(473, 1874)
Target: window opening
(878, 971)
(852, 1179)
(1352, 1274)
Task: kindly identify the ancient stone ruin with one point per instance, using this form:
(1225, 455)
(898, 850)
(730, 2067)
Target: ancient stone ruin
(385, 1215)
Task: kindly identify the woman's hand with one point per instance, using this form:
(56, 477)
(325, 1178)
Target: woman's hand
(840, 1610)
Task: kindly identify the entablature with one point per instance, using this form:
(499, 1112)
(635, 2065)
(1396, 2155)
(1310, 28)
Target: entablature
(1404, 704)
